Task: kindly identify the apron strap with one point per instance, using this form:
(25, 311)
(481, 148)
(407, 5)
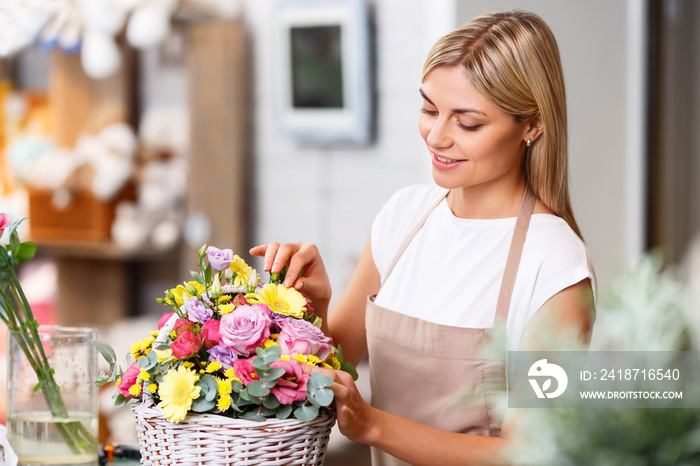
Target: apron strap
(410, 236)
(516, 250)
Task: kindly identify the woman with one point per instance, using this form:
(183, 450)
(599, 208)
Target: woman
(449, 264)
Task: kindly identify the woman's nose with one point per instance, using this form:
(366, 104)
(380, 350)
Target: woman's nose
(439, 134)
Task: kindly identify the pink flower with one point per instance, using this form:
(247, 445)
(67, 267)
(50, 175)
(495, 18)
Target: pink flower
(292, 330)
(186, 345)
(291, 386)
(164, 319)
(183, 325)
(245, 329)
(289, 346)
(245, 371)
(210, 333)
(5, 221)
(129, 380)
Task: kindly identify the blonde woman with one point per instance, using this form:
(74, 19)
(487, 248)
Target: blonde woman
(494, 245)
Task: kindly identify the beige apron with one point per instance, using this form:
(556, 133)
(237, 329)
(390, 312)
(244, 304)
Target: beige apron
(442, 376)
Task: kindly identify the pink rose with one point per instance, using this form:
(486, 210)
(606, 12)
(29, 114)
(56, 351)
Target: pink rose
(183, 325)
(186, 345)
(245, 329)
(164, 319)
(210, 333)
(292, 330)
(245, 371)
(291, 386)
(289, 346)
(239, 300)
(5, 221)
(129, 380)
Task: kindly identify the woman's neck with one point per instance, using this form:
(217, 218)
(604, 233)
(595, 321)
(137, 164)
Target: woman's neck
(486, 201)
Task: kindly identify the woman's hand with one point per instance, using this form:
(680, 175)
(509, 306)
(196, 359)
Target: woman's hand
(306, 272)
(354, 415)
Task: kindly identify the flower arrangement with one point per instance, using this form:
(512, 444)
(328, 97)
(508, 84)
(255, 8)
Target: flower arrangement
(17, 315)
(230, 346)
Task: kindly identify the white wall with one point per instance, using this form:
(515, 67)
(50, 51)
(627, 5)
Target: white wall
(330, 196)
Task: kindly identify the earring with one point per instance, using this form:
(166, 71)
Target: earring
(529, 142)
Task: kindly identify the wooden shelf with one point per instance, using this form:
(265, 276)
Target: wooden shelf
(101, 250)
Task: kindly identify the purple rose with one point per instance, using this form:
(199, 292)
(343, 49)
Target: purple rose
(197, 311)
(245, 329)
(218, 259)
(295, 334)
(226, 356)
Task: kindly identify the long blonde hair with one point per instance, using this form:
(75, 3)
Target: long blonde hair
(512, 59)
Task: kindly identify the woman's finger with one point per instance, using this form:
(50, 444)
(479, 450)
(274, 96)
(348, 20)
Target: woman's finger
(305, 255)
(258, 250)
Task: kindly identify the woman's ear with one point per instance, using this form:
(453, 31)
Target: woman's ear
(534, 128)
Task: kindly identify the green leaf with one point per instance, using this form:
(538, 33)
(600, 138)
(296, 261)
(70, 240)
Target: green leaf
(105, 350)
(324, 397)
(15, 244)
(260, 364)
(306, 413)
(37, 387)
(271, 402)
(318, 322)
(26, 252)
(257, 388)
(318, 381)
(349, 368)
(212, 387)
(143, 361)
(284, 411)
(198, 277)
(207, 274)
(271, 375)
(202, 404)
(120, 400)
(253, 416)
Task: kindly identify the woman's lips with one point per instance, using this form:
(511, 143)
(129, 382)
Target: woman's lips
(443, 163)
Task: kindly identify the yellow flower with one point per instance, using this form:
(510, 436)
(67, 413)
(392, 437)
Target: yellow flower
(136, 351)
(224, 386)
(143, 375)
(242, 270)
(154, 333)
(225, 309)
(135, 390)
(224, 403)
(147, 344)
(282, 300)
(269, 342)
(164, 355)
(188, 364)
(307, 359)
(229, 373)
(176, 392)
(213, 366)
(153, 387)
(225, 298)
(181, 294)
(331, 362)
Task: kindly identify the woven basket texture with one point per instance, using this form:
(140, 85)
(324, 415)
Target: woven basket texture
(212, 440)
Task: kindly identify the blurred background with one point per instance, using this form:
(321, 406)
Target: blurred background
(134, 131)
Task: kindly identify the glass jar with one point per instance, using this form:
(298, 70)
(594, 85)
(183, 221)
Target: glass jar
(54, 421)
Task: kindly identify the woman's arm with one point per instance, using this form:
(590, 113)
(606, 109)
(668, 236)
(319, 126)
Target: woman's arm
(346, 322)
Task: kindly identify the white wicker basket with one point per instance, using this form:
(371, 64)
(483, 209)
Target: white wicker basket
(212, 440)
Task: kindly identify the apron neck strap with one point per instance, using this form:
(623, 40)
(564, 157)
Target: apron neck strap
(516, 249)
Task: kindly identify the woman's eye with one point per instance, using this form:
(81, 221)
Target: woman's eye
(469, 128)
(428, 112)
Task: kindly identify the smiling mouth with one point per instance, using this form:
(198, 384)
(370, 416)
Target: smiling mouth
(446, 160)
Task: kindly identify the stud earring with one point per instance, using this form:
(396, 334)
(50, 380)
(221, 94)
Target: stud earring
(529, 142)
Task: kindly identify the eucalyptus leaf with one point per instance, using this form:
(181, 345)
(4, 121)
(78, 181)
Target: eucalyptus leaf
(306, 413)
(324, 397)
(143, 361)
(212, 386)
(318, 381)
(271, 375)
(106, 351)
(253, 416)
(271, 402)
(284, 412)
(257, 388)
(258, 363)
(202, 404)
(120, 400)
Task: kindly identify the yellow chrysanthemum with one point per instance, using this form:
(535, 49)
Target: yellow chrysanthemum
(136, 351)
(225, 309)
(213, 366)
(241, 270)
(229, 373)
(282, 300)
(285, 357)
(147, 344)
(224, 402)
(153, 387)
(135, 390)
(164, 355)
(224, 386)
(225, 298)
(188, 364)
(269, 342)
(181, 294)
(154, 333)
(309, 359)
(119, 380)
(173, 335)
(331, 362)
(176, 392)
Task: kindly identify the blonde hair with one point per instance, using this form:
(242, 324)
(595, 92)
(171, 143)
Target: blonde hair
(512, 59)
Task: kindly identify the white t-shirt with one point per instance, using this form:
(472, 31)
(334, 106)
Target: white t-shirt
(451, 272)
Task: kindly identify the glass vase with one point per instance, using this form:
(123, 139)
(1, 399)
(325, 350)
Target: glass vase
(55, 421)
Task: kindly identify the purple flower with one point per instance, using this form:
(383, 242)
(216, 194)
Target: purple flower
(197, 311)
(245, 329)
(296, 334)
(226, 356)
(218, 259)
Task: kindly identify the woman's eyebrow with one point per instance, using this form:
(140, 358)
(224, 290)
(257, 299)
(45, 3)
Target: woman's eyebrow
(454, 110)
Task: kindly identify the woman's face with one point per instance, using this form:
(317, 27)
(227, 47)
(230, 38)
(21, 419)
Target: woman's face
(471, 141)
